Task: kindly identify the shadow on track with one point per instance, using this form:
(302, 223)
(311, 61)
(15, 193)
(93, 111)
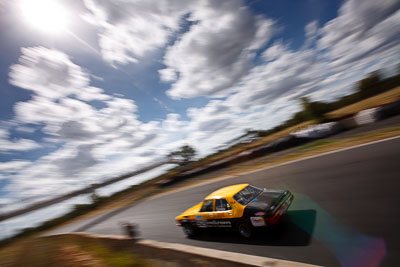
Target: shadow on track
(296, 229)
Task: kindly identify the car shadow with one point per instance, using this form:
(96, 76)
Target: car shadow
(295, 229)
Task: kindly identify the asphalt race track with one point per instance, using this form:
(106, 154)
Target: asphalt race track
(346, 211)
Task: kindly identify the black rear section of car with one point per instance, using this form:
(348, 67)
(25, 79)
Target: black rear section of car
(269, 201)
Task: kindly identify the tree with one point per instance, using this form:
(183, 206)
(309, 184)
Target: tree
(183, 155)
(370, 85)
(95, 198)
(313, 110)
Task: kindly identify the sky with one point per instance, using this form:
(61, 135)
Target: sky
(90, 89)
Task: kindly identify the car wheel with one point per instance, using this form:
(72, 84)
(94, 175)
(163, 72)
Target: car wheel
(189, 230)
(245, 230)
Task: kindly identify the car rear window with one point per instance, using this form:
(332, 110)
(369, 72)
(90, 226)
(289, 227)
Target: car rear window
(247, 194)
(222, 205)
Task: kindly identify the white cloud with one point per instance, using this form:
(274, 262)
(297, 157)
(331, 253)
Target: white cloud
(206, 60)
(44, 110)
(91, 93)
(173, 123)
(168, 75)
(15, 144)
(74, 131)
(216, 52)
(220, 121)
(91, 144)
(47, 72)
(362, 30)
(81, 159)
(311, 31)
(14, 165)
(18, 145)
(3, 133)
(284, 74)
(24, 129)
(129, 29)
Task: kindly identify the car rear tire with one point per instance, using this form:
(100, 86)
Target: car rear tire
(245, 230)
(189, 230)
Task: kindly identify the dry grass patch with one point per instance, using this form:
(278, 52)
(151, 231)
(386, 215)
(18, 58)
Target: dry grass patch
(378, 100)
(65, 251)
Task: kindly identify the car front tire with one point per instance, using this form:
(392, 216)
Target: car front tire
(189, 230)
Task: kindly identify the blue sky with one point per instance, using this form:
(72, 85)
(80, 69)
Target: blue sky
(91, 89)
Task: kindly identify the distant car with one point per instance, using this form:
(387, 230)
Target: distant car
(241, 207)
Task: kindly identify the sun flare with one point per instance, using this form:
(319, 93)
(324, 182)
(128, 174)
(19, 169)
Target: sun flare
(45, 15)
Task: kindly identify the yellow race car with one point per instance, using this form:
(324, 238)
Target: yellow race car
(240, 207)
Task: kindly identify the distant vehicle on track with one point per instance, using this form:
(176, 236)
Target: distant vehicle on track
(241, 207)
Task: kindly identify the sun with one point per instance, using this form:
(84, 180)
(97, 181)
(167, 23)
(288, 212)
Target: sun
(46, 15)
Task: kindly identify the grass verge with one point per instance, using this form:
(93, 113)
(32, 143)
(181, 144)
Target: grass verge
(66, 251)
(374, 101)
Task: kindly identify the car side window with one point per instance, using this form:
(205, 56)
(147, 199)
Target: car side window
(207, 206)
(222, 205)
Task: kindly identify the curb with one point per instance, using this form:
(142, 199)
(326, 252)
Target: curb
(225, 255)
(234, 257)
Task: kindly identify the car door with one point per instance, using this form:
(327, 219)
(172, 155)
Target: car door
(222, 214)
(205, 214)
